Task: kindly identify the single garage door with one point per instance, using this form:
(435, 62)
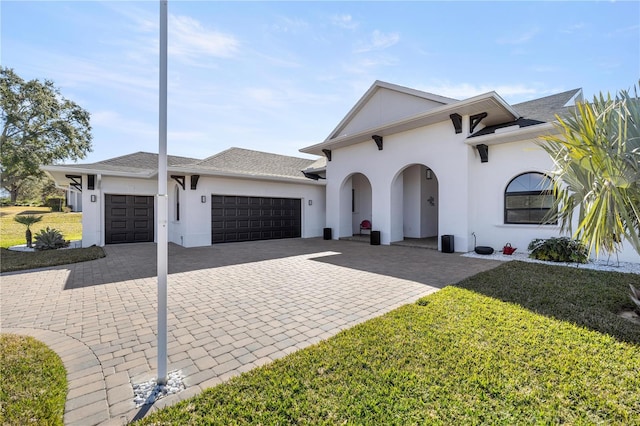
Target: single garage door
(128, 219)
(237, 218)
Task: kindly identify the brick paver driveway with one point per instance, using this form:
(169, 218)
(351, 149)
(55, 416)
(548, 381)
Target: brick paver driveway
(232, 307)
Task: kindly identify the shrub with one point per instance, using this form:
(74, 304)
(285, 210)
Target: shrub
(50, 239)
(561, 249)
(56, 203)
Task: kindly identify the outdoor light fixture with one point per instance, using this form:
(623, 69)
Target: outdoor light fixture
(429, 174)
(203, 199)
(93, 198)
(310, 202)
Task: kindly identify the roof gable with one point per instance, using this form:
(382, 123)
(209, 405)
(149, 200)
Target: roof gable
(385, 103)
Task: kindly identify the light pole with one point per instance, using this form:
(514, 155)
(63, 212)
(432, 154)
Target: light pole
(163, 204)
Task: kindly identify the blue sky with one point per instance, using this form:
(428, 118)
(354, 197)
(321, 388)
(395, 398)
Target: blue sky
(278, 76)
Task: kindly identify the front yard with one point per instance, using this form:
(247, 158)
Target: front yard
(521, 344)
(12, 233)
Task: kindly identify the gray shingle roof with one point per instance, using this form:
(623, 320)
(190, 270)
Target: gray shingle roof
(146, 160)
(233, 160)
(545, 109)
(536, 111)
(246, 161)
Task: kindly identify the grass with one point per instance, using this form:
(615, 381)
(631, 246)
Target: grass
(34, 382)
(19, 261)
(535, 348)
(12, 233)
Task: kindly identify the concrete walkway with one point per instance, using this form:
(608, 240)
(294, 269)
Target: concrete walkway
(232, 307)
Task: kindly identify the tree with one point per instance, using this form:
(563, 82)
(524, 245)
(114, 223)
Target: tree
(27, 220)
(39, 127)
(597, 165)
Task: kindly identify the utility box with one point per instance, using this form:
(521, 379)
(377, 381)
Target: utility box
(448, 244)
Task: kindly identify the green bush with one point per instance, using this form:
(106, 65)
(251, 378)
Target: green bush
(561, 249)
(50, 239)
(55, 203)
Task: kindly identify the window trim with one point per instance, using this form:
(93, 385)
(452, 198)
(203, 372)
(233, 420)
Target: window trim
(526, 193)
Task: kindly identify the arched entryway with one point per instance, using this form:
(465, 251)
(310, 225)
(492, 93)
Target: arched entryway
(355, 204)
(414, 206)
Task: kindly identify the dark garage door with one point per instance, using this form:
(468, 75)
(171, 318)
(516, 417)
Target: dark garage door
(128, 219)
(235, 218)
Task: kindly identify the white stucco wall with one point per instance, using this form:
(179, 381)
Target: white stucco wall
(436, 146)
(468, 194)
(194, 227)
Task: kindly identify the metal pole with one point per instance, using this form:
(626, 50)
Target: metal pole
(163, 205)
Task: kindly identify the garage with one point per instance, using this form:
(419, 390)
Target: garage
(240, 218)
(128, 219)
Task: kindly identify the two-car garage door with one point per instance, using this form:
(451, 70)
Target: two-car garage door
(130, 218)
(240, 218)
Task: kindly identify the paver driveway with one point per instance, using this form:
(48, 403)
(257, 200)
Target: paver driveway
(232, 307)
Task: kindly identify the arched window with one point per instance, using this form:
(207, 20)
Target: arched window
(177, 203)
(528, 198)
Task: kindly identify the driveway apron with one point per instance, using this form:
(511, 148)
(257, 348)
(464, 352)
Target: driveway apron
(231, 308)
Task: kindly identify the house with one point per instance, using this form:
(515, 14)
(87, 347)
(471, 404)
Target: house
(415, 164)
(236, 195)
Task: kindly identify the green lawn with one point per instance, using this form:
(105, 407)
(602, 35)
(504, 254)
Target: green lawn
(12, 233)
(34, 382)
(522, 344)
(19, 261)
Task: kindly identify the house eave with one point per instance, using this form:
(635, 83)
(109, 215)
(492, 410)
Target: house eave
(500, 112)
(226, 174)
(144, 173)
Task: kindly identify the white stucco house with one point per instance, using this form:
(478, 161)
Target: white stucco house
(415, 164)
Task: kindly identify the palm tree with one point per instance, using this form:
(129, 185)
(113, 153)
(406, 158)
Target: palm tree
(597, 165)
(27, 220)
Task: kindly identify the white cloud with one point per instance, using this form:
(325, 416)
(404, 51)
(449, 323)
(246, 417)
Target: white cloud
(290, 25)
(519, 38)
(187, 37)
(574, 28)
(344, 21)
(378, 41)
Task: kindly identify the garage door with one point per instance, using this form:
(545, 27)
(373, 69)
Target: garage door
(128, 219)
(237, 218)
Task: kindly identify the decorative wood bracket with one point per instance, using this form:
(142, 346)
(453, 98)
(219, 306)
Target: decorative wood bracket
(474, 120)
(456, 119)
(313, 176)
(179, 179)
(76, 181)
(378, 140)
(194, 181)
(483, 150)
(327, 153)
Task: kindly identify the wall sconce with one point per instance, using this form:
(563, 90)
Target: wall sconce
(429, 174)
(93, 198)
(203, 199)
(310, 202)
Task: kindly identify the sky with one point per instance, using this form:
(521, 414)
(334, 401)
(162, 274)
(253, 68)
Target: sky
(280, 76)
